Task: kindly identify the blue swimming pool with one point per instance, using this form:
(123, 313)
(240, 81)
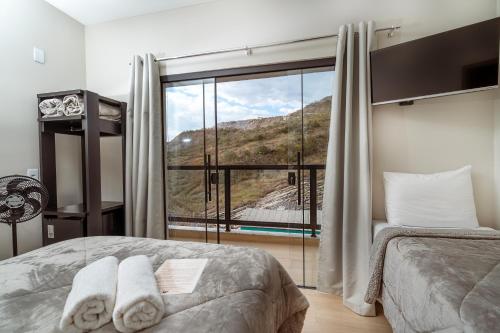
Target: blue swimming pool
(280, 230)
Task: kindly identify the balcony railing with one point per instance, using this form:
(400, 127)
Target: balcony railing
(313, 225)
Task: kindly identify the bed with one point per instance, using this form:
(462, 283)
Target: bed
(437, 280)
(240, 290)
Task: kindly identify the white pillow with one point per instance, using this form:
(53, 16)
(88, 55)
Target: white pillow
(439, 200)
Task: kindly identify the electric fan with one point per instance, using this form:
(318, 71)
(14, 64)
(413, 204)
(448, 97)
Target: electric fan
(21, 199)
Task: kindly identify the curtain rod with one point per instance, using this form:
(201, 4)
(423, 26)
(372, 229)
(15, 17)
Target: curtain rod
(249, 49)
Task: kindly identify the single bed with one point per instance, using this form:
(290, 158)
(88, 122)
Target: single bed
(437, 280)
(240, 290)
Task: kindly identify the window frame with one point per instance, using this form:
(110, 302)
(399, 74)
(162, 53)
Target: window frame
(258, 69)
(220, 73)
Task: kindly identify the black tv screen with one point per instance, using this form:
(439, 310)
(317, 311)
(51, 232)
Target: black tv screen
(446, 63)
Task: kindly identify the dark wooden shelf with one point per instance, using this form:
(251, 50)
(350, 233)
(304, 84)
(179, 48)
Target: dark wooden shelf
(61, 93)
(78, 210)
(92, 217)
(110, 127)
(62, 118)
(109, 101)
(73, 125)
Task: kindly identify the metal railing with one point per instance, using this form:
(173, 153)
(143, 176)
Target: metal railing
(226, 170)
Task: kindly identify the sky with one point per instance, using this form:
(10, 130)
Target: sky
(242, 100)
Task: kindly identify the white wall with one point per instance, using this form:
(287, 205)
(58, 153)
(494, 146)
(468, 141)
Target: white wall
(437, 135)
(430, 136)
(24, 24)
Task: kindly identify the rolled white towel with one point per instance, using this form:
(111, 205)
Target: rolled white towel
(138, 300)
(73, 105)
(52, 107)
(90, 303)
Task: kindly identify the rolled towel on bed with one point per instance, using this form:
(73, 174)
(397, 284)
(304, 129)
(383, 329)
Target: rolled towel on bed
(52, 107)
(73, 105)
(138, 300)
(90, 303)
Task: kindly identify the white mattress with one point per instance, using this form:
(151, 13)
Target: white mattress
(381, 224)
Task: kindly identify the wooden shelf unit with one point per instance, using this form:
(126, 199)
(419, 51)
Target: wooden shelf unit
(92, 217)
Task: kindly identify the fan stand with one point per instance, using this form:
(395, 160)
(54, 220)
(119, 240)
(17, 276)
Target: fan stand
(16, 215)
(14, 239)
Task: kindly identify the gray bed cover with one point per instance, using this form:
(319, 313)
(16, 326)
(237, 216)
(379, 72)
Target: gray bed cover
(437, 281)
(240, 290)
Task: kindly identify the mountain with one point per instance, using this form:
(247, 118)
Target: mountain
(263, 141)
(272, 140)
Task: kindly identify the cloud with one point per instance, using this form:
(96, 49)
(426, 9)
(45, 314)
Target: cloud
(184, 109)
(242, 100)
(262, 92)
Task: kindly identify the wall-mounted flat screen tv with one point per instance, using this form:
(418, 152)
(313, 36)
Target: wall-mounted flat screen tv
(452, 62)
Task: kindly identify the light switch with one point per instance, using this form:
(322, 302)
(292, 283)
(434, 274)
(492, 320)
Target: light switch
(39, 55)
(50, 231)
(33, 173)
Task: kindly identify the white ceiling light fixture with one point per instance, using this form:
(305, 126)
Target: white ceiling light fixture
(90, 12)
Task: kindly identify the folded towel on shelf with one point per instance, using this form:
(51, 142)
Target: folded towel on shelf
(109, 112)
(138, 300)
(90, 303)
(52, 107)
(73, 105)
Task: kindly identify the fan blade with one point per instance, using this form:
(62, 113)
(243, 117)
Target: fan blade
(3, 209)
(12, 185)
(31, 189)
(16, 214)
(3, 197)
(35, 204)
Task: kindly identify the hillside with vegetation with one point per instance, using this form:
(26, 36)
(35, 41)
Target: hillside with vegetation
(263, 141)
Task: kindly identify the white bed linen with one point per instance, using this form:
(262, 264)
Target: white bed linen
(378, 225)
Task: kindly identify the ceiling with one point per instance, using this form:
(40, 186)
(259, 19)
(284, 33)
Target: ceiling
(97, 11)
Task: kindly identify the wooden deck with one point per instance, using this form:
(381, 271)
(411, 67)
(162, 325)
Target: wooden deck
(277, 215)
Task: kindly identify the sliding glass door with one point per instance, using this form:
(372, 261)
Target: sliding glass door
(317, 86)
(190, 144)
(245, 159)
(259, 124)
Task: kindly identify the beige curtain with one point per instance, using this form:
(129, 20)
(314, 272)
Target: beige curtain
(144, 195)
(347, 207)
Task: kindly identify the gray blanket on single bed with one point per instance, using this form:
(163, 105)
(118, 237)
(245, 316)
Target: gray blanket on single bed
(240, 290)
(437, 280)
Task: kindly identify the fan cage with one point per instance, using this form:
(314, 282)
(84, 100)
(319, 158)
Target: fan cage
(33, 192)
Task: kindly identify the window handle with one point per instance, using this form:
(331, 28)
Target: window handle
(209, 172)
(299, 194)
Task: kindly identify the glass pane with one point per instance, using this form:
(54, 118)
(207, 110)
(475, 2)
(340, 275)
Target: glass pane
(259, 118)
(184, 123)
(317, 86)
(186, 196)
(259, 123)
(210, 149)
(185, 147)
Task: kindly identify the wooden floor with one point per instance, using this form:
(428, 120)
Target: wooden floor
(327, 314)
